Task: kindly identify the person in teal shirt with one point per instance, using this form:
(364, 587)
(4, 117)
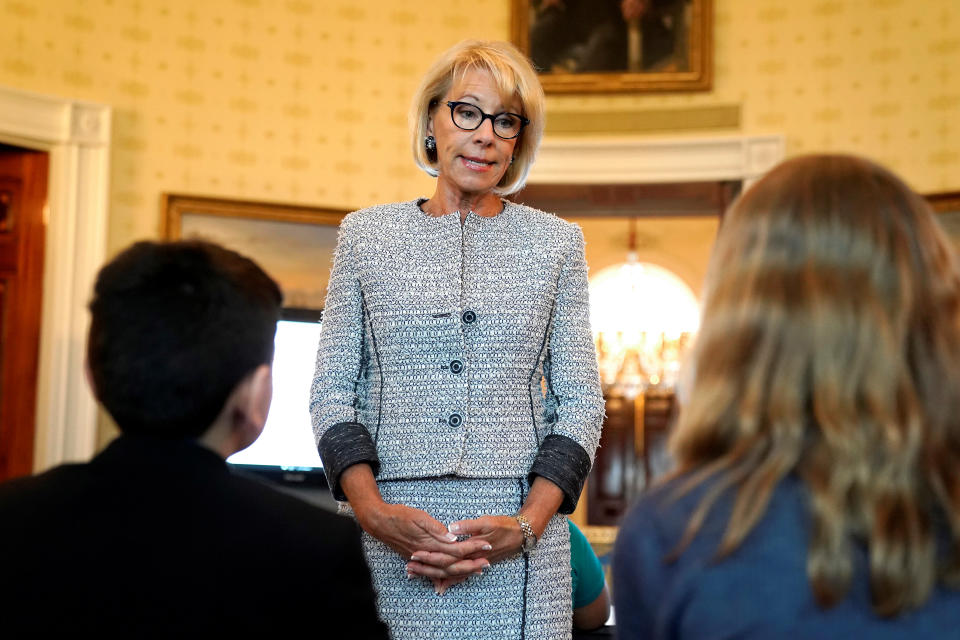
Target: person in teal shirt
(591, 601)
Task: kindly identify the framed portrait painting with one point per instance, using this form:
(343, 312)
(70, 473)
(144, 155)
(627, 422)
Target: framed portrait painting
(617, 45)
(294, 244)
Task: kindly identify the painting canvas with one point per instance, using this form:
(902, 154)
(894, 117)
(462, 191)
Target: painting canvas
(617, 45)
(293, 244)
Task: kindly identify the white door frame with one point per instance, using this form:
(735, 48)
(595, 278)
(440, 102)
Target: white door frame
(77, 136)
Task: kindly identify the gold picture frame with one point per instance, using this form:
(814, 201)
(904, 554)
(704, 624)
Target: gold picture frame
(944, 202)
(947, 207)
(583, 46)
(294, 244)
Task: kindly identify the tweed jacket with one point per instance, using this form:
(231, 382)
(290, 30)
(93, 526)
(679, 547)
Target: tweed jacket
(458, 349)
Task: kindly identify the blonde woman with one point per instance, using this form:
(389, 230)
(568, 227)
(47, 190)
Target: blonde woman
(818, 493)
(443, 316)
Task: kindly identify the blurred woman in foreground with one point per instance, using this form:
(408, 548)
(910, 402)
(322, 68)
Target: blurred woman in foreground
(818, 484)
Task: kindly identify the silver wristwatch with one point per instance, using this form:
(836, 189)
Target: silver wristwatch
(529, 537)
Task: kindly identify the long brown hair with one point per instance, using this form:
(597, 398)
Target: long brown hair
(830, 349)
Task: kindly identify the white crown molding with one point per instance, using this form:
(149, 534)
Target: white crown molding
(609, 160)
(77, 136)
(90, 124)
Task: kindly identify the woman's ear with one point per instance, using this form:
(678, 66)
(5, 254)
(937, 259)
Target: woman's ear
(431, 111)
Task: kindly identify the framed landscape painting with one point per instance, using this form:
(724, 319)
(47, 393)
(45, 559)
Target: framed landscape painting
(294, 244)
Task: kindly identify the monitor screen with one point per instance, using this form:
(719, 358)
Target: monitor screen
(286, 451)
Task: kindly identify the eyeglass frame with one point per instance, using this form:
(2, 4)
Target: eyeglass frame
(453, 104)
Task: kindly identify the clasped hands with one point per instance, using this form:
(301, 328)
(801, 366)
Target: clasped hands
(437, 553)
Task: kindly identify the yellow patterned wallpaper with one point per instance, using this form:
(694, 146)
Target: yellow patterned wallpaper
(305, 100)
(874, 77)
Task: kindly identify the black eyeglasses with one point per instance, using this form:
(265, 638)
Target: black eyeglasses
(469, 117)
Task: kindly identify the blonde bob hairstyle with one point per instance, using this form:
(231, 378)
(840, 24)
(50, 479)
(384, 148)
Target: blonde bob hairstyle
(830, 350)
(513, 75)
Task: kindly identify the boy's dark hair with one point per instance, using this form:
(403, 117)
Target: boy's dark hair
(175, 327)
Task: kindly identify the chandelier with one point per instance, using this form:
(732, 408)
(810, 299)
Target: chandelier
(643, 318)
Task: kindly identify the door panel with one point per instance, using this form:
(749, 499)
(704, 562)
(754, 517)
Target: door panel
(631, 453)
(23, 187)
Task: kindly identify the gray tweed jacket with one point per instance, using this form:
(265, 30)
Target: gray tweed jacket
(451, 349)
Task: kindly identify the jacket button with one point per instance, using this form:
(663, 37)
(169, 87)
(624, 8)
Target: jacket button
(455, 420)
(469, 317)
(456, 366)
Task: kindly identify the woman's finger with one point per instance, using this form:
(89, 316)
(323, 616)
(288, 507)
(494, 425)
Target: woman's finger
(477, 549)
(405, 530)
(440, 586)
(475, 527)
(434, 528)
(426, 570)
(463, 568)
(435, 558)
(469, 548)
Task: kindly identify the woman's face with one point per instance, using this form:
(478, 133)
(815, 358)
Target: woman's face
(472, 162)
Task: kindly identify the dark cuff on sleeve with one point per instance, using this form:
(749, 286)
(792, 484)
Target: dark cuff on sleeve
(345, 444)
(562, 461)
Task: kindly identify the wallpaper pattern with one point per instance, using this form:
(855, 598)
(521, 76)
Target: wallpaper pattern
(305, 100)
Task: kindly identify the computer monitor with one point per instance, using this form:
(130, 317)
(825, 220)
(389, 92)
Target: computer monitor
(285, 452)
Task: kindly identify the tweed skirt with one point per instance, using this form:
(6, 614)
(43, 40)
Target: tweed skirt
(526, 597)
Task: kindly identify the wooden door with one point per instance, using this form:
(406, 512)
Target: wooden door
(625, 465)
(23, 196)
(610, 487)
